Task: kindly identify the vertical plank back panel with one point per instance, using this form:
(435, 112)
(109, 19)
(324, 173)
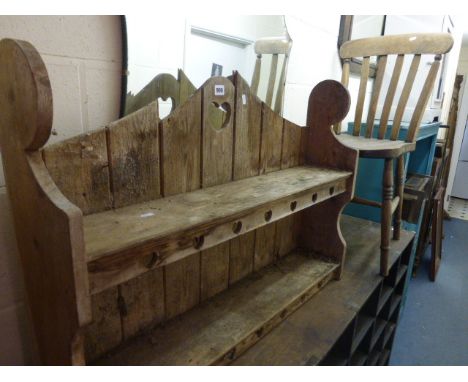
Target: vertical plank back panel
(217, 162)
(361, 96)
(217, 140)
(105, 332)
(270, 160)
(293, 152)
(186, 88)
(375, 95)
(294, 137)
(182, 285)
(272, 134)
(143, 302)
(133, 153)
(404, 96)
(390, 95)
(247, 130)
(133, 144)
(79, 167)
(180, 148)
(181, 172)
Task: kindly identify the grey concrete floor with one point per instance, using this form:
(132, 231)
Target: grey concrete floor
(433, 328)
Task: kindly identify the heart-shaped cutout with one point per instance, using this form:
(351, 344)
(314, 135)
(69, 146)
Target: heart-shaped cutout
(165, 108)
(219, 115)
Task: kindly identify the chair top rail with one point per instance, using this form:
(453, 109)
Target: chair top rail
(412, 43)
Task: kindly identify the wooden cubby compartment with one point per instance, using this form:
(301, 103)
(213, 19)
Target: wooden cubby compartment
(368, 338)
(176, 241)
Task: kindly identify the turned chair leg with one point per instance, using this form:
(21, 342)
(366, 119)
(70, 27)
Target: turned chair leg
(400, 184)
(386, 215)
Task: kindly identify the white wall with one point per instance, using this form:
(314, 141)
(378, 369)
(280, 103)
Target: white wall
(166, 46)
(462, 112)
(83, 57)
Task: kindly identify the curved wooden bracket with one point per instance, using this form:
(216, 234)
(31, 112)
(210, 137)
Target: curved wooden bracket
(329, 103)
(49, 229)
(27, 92)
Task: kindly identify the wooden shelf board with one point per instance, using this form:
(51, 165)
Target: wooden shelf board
(114, 230)
(363, 325)
(379, 328)
(223, 327)
(401, 272)
(334, 360)
(358, 359)
(384, 296)
(124, 243)
(310, 332)
(388, 332)
(396, 300)
(384, 357)
(373, 358)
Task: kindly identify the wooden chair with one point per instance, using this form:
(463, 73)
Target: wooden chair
(382, 144)
(275, 46)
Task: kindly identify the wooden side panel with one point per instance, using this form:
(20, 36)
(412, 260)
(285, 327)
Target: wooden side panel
(182, 285)
(320, 232)
(143, 302)
(247, 135)
(80, 168)
(48, 228)
(134, 157)
(181, 172)
(218, 134)
(270, 160)
(105, 332)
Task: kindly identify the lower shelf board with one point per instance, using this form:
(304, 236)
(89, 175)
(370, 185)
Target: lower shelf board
(222, 328)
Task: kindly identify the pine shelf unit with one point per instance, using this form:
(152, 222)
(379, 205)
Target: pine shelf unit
(207, 227)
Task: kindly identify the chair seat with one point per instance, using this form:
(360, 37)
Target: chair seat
(376, 148)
